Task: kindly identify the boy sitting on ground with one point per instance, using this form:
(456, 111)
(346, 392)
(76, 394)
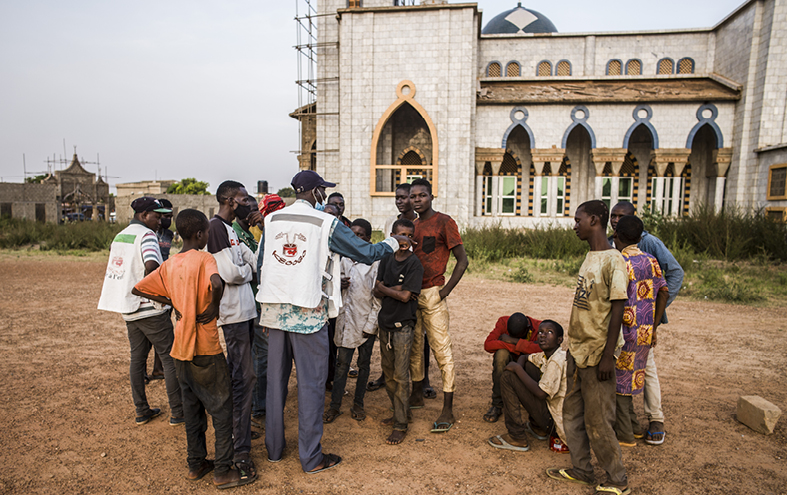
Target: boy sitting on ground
(647, 300)
(356, 327)
(538, 382)
(513, 336)
(398, 284)
(189, 281)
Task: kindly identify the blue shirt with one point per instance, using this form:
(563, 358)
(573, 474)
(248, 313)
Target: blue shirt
(673, 272)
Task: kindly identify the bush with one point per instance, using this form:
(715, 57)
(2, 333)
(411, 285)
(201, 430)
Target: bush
(90, 236)
(495, 243)
(730, 287)
(521, 275)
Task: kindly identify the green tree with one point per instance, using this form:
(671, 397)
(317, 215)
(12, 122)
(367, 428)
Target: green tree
(188, 185)
(38, 179)
(286, 192)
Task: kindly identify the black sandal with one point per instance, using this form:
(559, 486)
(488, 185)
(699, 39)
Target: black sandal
(328, 461)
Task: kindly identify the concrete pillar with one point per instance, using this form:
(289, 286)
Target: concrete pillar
(599, 187)
(495, 194)
(537, 195)
(718, 200)
(479, 188)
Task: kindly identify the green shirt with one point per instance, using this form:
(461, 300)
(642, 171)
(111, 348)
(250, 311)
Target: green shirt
(247, 238)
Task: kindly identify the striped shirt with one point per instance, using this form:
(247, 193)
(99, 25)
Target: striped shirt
(150, 252)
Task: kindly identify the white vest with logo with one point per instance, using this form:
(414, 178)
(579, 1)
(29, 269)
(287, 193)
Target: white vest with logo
(296, 259)
(124, 270)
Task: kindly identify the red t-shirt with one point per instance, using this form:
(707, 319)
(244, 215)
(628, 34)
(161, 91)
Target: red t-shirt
(526, 345)
(435, 239)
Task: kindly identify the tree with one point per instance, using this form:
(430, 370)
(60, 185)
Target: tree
(38, 179)
(286, 192)
(189, 185)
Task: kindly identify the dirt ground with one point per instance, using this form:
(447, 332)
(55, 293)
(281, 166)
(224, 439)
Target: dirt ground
(67, 420)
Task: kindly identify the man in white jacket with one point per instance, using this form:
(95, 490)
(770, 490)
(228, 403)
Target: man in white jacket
(236, 313)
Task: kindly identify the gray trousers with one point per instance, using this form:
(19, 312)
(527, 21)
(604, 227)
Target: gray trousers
(499, 362)
(238, 337)
(395, 348)
(515, 392)
(260, 348)
(589, 419)
(158, 332)
(310, 354)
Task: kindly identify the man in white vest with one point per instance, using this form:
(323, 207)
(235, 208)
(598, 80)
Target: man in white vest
(300, 287)
(134, 254)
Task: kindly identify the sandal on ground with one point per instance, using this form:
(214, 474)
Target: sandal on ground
(239, 481)
(566, 475)
(375, 384)
(328, 461)
(441, 426)
(639, 434)
(331, 415)
(532, 431)
(505, 445)
(429, 393)
(246, 469)
(493, 414)
(602, 490)
(627, 444)
(649, 436)
(353, 373)
(357, 413)
(202, 470)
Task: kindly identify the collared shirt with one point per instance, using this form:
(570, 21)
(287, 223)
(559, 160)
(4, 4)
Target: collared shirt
(342, 241)
(358, 316)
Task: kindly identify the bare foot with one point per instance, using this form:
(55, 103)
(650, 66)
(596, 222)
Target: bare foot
(396, 437)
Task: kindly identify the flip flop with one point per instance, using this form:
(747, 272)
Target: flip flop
(505, 445)
(562, 475)
(442, 427)
(649, 437)
(530, 430)
(239, 482)
(326, 460)
(429, 393)
(331, 415)
(600, 489)
(374, 385)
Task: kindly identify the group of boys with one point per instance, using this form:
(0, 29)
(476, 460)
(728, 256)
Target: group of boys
(273, 299)
(586, 392)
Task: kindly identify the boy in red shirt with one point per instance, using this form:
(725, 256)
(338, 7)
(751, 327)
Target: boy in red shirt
(189, 282)
(436, 237)
(513, 336)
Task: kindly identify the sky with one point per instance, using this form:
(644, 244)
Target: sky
(170, 89)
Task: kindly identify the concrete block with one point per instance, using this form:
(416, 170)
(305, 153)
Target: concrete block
(757, 413)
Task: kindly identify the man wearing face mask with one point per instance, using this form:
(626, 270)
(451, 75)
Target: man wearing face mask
(237, 311)
(300, 288)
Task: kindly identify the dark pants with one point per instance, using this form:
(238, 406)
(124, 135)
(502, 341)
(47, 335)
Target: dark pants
(332, 351)
(310, 353)
(625, 418)
(260, 369)
(499, 362)
(238, 337)
(205, 384)
(395, 347)
(588, 418)
(344, 357)
(514, 392)
(157, 331)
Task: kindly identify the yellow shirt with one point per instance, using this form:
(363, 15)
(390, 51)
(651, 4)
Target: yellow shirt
(553, 383)
(602, 279)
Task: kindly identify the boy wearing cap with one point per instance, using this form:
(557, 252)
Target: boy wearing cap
(134, 254)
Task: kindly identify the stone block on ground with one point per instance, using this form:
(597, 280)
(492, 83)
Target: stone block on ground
(757, 413)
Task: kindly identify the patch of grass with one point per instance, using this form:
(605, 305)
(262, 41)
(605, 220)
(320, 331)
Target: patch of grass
(86, 236)
(726, 285)
(521, 275)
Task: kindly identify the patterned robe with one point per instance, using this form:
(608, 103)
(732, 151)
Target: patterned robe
(645, 281)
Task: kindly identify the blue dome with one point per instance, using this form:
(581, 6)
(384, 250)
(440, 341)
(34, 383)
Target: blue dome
(519, 20)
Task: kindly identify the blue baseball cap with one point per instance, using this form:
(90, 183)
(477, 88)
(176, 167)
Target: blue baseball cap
(306, 180)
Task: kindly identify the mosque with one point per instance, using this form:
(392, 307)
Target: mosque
(517, 123)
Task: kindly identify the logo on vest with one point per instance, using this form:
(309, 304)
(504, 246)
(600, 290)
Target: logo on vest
(290, 249)
(115, 269)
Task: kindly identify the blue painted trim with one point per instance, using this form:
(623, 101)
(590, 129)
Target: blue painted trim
(706, 121)
(570, 67)
(486, 71)
(551, 67)
(693, 65)
(642, 121)
(515, 122)
(615, 60)
(517, 64)
(658, 65)
(640, 66)
(580, 121)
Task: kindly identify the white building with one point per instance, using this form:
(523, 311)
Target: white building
(517, 123)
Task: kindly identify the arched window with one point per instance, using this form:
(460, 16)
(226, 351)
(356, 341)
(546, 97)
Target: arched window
(493, 69)
(634, 67)
(512, 69)
(614, 67)
(686, 66)
(544, 68)
(564, 68)
(666, 66)
(354, 4)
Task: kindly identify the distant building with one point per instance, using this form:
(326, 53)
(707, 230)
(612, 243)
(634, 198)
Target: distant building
(80, 191)
(145, 187)
(206, 203)
(32, 201)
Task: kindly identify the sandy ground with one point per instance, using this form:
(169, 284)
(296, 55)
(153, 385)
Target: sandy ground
(67, 420)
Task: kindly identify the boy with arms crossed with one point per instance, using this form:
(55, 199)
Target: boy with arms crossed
(398, 280)
(593, 337)
(190, 283)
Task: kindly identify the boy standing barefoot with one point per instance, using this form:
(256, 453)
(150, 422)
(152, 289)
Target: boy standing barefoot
(593, 337)
(398, 284)
(190, 283)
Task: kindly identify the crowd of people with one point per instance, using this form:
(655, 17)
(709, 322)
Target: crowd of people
(302, 285)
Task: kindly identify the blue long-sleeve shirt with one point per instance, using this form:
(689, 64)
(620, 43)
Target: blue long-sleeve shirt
(673, 272)
(342, 241)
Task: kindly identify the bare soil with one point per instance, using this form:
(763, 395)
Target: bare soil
(67, 420)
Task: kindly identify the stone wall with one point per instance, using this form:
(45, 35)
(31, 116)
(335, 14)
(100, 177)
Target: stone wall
(207, 204)
(21, 201)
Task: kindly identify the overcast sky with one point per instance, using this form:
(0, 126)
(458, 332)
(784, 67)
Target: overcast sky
(174, 89)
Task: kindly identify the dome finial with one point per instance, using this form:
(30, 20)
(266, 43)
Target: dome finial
(519, 4)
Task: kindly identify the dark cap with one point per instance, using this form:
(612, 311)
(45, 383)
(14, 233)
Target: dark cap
(165, 203)
(306, 180)
(146, 203)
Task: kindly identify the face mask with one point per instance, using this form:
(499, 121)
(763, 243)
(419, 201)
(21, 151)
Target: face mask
(242, 211)
(165, 223)
(319, 204)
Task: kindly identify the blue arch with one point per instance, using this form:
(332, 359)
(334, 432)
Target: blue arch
(525, 127)
(711, 121)
(653, 133)
(587, 128)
